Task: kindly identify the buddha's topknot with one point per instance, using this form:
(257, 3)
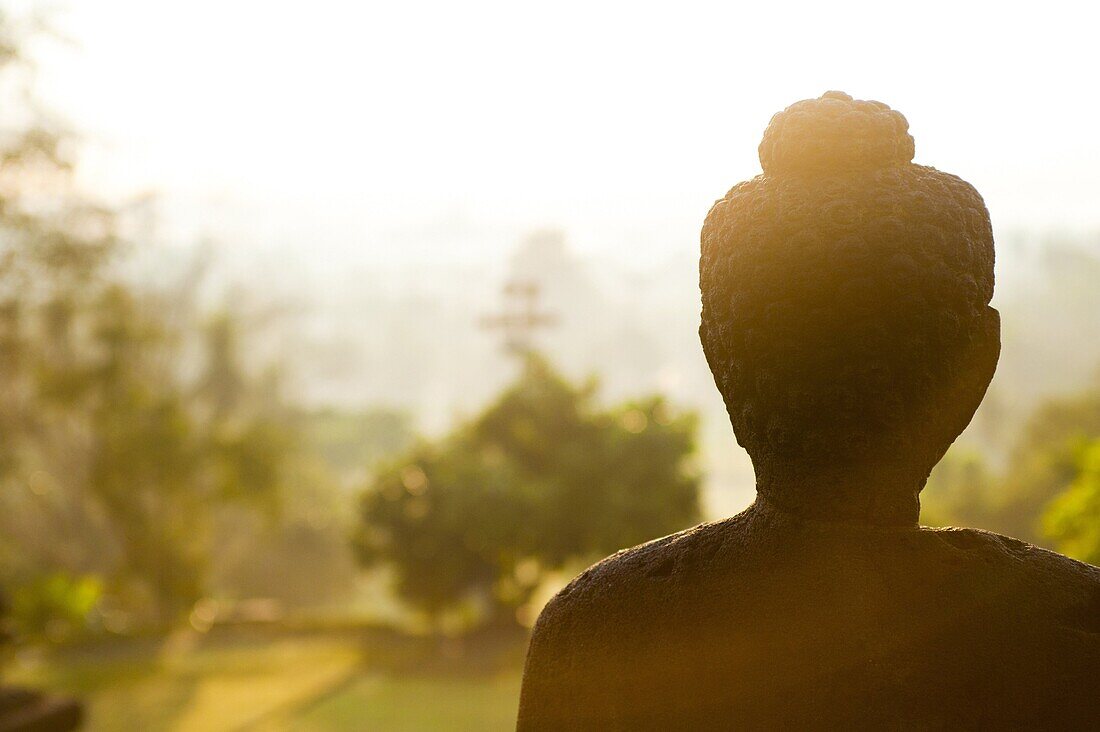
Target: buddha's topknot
(835, 132)
(841, 291)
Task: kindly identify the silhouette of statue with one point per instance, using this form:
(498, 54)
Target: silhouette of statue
(846, 320)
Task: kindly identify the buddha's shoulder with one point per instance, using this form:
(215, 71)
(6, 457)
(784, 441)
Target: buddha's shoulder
(689, 565)
(1001, 555)
(583, 634)
(640, 575)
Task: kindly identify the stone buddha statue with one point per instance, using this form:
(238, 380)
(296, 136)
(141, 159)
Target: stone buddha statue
(846, 320)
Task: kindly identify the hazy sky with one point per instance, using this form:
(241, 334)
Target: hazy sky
(393, 130)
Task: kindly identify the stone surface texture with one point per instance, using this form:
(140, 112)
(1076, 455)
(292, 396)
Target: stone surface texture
(846, 319)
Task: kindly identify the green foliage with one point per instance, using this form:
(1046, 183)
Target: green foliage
(128, 421)
(1045, 461)
(55, 606)
(116, 464)
(1073, 518)
(540, 479)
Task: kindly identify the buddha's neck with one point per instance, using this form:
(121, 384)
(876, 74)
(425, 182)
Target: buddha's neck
(846, 500)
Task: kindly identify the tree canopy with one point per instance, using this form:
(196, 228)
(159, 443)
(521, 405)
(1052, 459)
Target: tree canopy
(127, 416)
(1073, 518)
(541, 478)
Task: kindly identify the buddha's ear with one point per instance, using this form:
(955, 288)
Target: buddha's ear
(716, 357)
(708, 348)
(988, 349)
(961, 398)
(981, 359)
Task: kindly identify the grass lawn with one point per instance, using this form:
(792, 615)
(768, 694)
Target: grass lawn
(288, 683)
(416, 704)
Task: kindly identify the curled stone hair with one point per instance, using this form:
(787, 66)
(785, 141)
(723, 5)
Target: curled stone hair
(845, 310)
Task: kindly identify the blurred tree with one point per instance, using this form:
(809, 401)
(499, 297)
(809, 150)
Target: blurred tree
(117, 466)
(54, 244)
(1073, 518)
(1044, 462)
(540, 479)
(112, 461)
(55, 606)
(167, 457)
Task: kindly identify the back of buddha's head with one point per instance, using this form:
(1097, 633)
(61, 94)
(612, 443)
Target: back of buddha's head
(845, 305)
